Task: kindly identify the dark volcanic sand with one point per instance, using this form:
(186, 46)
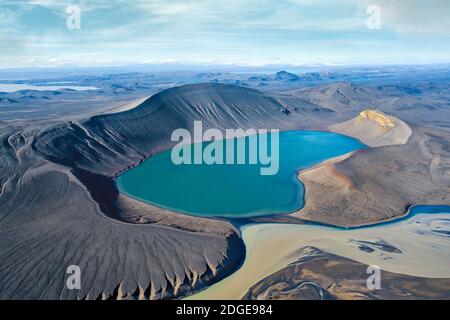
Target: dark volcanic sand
(59, 204)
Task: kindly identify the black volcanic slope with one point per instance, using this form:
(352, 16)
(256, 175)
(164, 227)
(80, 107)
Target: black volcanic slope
(56, 190)
(107, 143)
(59, 205)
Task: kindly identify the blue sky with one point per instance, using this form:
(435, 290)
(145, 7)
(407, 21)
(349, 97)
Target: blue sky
(246, 32)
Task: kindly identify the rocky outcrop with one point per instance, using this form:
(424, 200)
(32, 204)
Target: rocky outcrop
(375, 129)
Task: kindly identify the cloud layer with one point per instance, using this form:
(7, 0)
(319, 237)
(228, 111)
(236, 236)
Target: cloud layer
(232, 31)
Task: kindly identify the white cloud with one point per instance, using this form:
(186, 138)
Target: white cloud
(7, 17)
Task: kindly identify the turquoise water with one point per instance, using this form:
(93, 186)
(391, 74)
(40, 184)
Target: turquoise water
(234, 190)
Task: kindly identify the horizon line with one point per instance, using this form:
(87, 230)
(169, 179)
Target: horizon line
(221, 65)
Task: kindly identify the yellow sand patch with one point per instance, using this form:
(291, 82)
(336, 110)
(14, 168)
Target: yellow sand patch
(379, 118)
